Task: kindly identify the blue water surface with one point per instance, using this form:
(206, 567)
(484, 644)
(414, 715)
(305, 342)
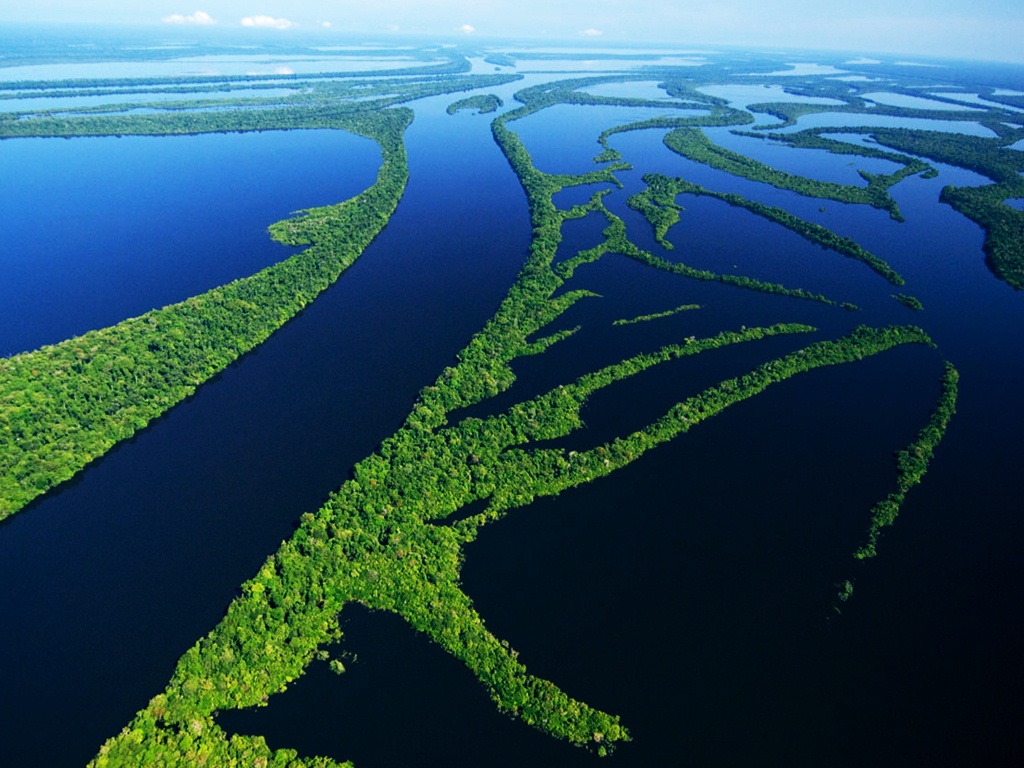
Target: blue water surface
(691, 592)
(96, 230)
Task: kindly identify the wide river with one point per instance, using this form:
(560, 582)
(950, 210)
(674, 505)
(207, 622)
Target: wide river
(690, 593)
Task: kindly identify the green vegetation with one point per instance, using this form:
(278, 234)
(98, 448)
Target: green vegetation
(851, 95)
(389, 537)
(570, 92)
(911, 465)
(1003, 225)
(788, 111)
(482, 102)
(693, 144)
(322, 107)
(721, 117)
(68, 403)
(991, 157)
(912, 462)
(657, 315)
(541, 186)
(374, 543)
(845, 592)
(382, 539)
(910, 302)
(617, 241)
(816, 139)
(658, 205)
(607, 156)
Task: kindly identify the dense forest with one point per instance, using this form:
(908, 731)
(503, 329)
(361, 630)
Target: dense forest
(382, 540)
(391, 536)
(68, 403)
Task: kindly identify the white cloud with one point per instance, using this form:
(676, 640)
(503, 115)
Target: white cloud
(199, 17)
(591, 32)
(326, 24)
(268, 22)
(467, 29)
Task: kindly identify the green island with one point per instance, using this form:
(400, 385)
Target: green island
(66, 404)
(992, 158)
(912, 461)
(1003, 225)
(390, 537)
(319, 105)
(911, 465)
(853, 97)
(483, 103)
(693, 144)
(541, 186)
(373, 543)
(910, 302)
(617, 241)
(659, 206)
(656, 315)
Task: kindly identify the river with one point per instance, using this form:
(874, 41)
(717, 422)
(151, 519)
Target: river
(691, 592)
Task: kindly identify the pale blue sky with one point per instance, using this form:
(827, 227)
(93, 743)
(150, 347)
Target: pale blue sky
(981, 29)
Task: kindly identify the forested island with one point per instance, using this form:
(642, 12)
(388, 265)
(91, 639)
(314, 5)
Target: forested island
(68, 403)
(478, 445)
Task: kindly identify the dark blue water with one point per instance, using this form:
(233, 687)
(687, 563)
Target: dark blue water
(710, 642)
(690, 592)
(109, 580)
(96, 230)
(809, 163)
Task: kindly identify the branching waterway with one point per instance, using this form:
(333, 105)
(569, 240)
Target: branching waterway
(575, 419)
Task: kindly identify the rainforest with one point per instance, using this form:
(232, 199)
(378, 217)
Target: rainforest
(501, 405)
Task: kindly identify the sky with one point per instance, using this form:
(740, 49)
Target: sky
(972, 29)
